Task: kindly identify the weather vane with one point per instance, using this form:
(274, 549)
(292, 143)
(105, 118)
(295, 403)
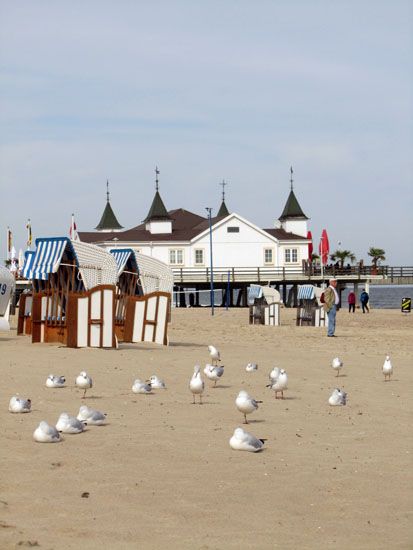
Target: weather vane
(291, 177)
(156, 178)
(223, 183)
(107, 190)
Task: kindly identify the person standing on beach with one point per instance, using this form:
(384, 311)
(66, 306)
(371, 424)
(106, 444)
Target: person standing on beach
(351, 302)
(364, 299)
(331, 301)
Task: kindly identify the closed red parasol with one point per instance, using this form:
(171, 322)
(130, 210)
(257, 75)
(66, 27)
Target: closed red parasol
(310, 245)
(324, 247)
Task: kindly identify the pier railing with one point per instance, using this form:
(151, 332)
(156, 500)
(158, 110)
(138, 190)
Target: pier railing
(310, 272)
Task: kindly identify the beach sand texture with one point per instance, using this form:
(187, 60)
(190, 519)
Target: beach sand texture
(161, 472)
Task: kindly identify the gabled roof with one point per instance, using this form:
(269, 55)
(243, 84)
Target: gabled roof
(157, 210)
(108, 221)
(292, 209)
(223, 211)
(283, 235)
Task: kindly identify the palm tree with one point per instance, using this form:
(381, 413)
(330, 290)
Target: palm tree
(341, 255)
(376, 254)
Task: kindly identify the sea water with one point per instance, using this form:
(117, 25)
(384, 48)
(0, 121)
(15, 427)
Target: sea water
(381, 296)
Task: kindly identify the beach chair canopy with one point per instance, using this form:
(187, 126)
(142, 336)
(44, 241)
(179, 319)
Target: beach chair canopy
(154, 275)
(96, 266)
(306, 292)
(254, 291)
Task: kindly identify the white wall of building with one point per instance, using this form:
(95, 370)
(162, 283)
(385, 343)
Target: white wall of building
(298, 227)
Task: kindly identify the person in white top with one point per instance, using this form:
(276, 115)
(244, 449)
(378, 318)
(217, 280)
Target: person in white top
(331, 301)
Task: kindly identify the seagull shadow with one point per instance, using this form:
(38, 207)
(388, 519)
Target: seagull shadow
(342, 376)
(91, 397)
(256, 421)
(185, 345)
(289, 398)
(220, 387)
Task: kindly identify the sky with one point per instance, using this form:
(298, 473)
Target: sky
(99, 90)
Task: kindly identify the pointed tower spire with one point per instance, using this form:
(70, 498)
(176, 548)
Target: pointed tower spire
(291, 177)
(293, 219)
(108, 221)
(158, 220)
(223, 210)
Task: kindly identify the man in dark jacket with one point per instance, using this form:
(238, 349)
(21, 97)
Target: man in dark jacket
(364, 299)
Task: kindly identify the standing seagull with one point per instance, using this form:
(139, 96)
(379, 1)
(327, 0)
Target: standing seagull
(213, 373)
(46, 434)
(196, 384)
(53, 381)
(19, 405)
(84, 382)
(244, 441)
(337, 398)
(387, 368)
(279, 384)
(214, 353)
(337, 364)
(246, 404)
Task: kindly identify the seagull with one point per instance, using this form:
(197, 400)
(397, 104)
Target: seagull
(213, 372)
(251, 367)
(387, 368)
(196, 384)
(214, 353)
(246, 404)
(274, 374)
(46, 434)
(141, 387)
(53, 381)
(244, 441)
(69, 424)
(338, 397)
(92, 417)
(337, 364)
(19, 405)
(156, 383)
(279, 384)
(84, 382)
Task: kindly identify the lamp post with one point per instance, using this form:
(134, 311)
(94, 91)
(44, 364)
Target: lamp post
(322, 262)
(209, 210)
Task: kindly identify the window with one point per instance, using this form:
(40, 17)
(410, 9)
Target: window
(233, 229)
(176, 256)
(199, 256)
(268, 256)
(291, 255)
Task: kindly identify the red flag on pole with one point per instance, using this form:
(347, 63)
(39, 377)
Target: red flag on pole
(324, 247)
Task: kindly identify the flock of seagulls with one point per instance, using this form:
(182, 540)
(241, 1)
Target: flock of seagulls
(241, 440)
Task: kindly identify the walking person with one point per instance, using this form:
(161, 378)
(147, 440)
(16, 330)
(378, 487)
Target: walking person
(364, 299)
(351, 302)
(331, 301)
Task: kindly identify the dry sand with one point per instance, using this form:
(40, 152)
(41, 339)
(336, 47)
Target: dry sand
(162, 472)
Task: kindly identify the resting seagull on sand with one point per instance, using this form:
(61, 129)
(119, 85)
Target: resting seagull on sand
(196, 384)
(141, 387)
(46, 434)
(337, 398)
(251, 367)
(69, 424)
(246, 404)
(156, 383)
(92, 417)
(19, 405)
(244, 441)
(53, 381)
(84, 382)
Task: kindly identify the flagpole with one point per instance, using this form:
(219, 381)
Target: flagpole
(322, 261)
(72, 228)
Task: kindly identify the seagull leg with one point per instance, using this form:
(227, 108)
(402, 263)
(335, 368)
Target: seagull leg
(215, 383)
(200, 398)
(193, 396)
(338, 372)
(245, 417)
(282, 394)
(84, 393)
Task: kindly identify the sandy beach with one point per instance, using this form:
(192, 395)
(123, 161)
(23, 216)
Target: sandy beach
(161, 472)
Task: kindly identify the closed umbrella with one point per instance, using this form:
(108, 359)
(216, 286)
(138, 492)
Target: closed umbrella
(310, 245)
(324, 247)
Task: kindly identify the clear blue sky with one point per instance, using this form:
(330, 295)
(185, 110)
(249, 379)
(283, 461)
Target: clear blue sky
(239, 90)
